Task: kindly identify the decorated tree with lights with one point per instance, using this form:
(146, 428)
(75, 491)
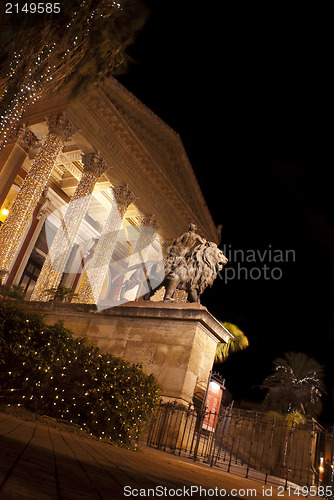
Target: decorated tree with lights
(62, 293)
(48, 371)
(83, 43)
(296, 384)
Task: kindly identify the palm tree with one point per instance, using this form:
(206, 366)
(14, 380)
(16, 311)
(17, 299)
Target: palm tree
(237, 343)
(84, 41)
(295, 384)
(61, 294)
(17, 292)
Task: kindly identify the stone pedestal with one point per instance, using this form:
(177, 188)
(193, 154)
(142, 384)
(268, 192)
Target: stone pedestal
(176, 342)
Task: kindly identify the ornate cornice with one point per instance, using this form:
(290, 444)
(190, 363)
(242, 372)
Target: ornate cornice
(164, 145)
(144, 151)
(136, 166)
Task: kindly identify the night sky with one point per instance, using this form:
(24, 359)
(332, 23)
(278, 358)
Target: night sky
(249, 88)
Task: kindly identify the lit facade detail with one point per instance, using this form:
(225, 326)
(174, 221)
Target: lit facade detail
(141, 250)
(97, 267)
(20, 215)
(56, 260)
(150, 170)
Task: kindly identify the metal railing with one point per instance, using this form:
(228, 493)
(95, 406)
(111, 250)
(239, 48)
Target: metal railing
(254, 444)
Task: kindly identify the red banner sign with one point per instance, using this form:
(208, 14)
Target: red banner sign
(212, 404)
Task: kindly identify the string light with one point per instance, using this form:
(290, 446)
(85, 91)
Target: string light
(50, 64)
(19, 217)
(62, 244)
(97, 267)
(84, 398)
(142, 248)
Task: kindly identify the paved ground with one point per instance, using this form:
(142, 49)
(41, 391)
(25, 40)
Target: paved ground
(41, 462)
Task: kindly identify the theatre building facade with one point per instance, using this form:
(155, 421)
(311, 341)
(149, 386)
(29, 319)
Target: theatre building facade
(79, 180)
(103, 148)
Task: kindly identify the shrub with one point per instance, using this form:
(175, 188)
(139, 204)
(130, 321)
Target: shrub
(16, 292)
(61, 294)
(48, 371)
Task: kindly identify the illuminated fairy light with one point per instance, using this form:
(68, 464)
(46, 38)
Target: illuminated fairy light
(29, 92)
(20, 214)
(26, 200)
(97, 267)
(52, 63)
(58, 255)
(115, 404)
(142, 249)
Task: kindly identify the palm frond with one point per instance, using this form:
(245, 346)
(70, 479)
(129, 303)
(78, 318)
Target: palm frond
(237, 343)
(296, 383)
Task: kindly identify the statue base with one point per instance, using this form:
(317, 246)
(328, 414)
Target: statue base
(174, 341)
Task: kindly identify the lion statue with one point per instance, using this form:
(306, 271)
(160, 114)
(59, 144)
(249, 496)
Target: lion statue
(193, 273)
(192, 264)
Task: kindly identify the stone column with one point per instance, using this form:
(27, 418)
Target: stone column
(141, 250)
(145, 239)
(19, 217)
(97, 267)
(62, 244)
(13, 156)
(44, 210)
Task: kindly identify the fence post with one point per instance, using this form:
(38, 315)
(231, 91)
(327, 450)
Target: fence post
(224, 427)
(199, 432)
(251, 445)
(270, 446)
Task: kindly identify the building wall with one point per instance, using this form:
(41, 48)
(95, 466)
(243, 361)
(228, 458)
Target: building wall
(139, 149)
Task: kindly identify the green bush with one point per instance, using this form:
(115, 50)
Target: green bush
(50, 372)
(16, 292)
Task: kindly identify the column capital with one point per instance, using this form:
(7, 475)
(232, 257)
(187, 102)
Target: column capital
(94, 164)
(23, 136)
(149, 220)
(123, 195)
(61, 126)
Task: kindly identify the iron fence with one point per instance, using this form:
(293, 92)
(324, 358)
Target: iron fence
(254, 444)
